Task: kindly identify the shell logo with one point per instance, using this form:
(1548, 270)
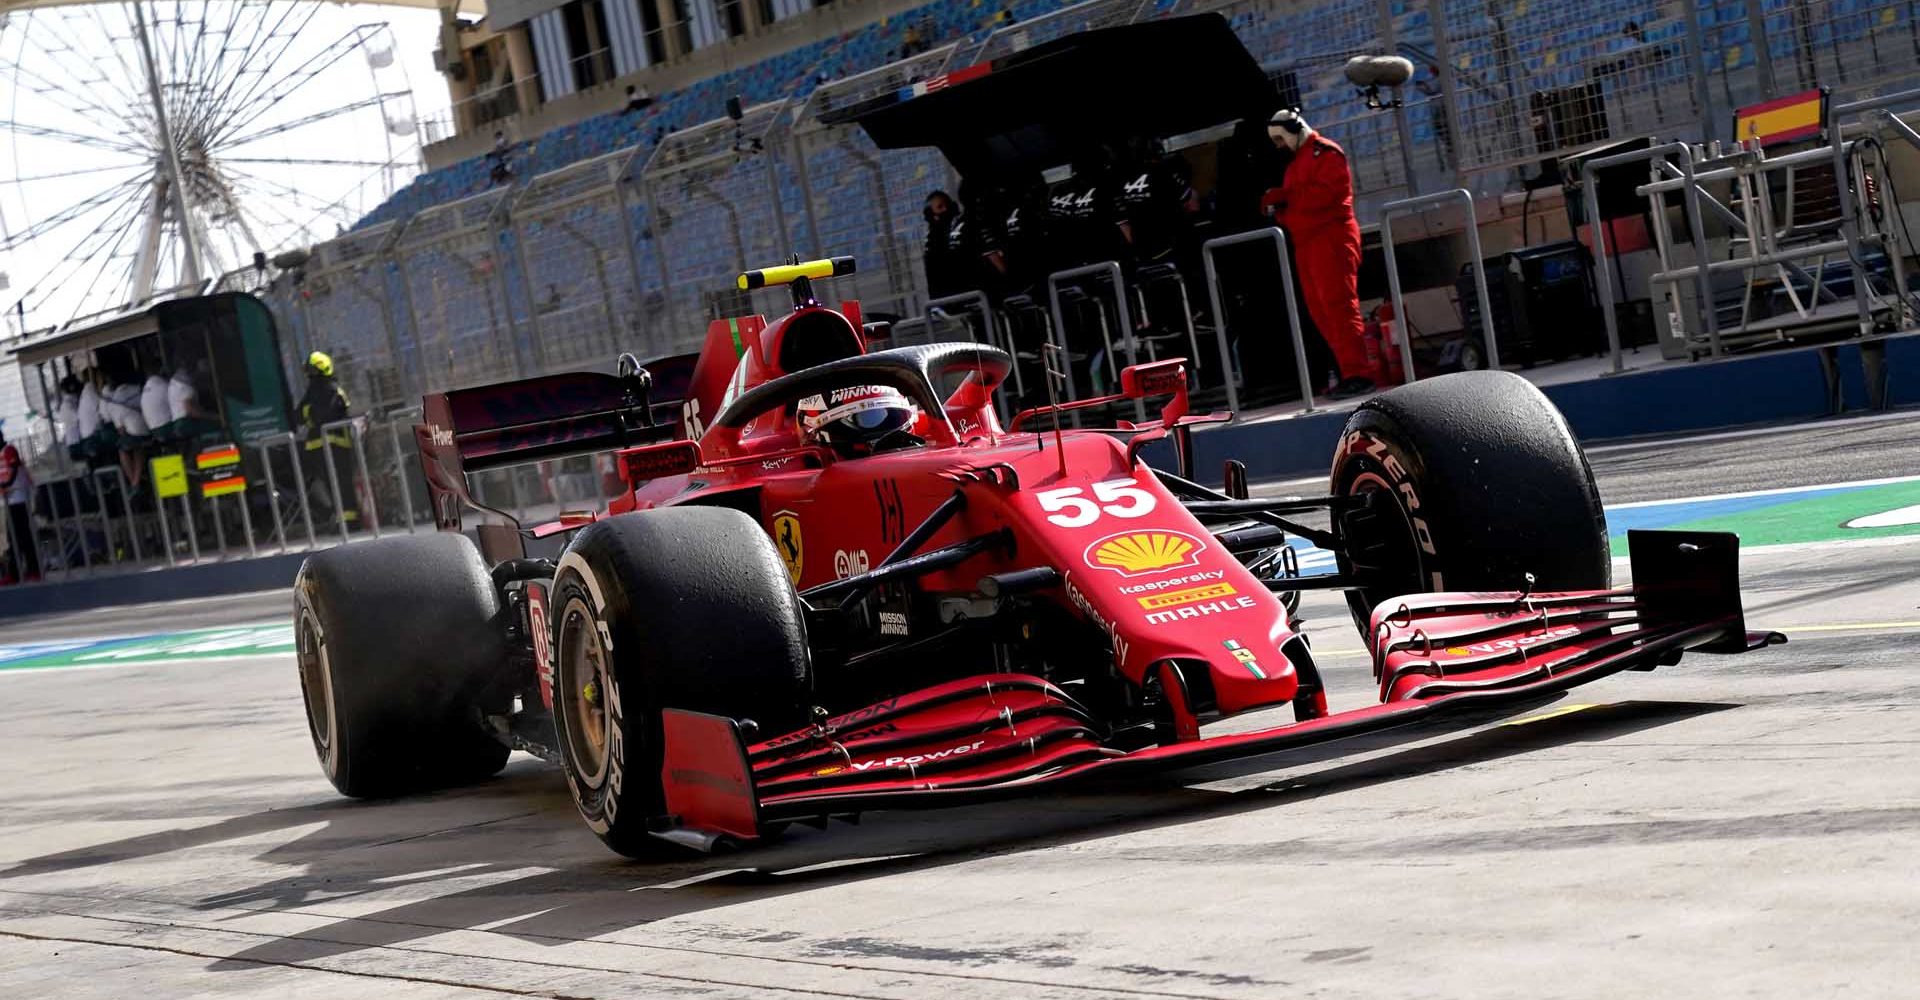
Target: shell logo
(1132, 553)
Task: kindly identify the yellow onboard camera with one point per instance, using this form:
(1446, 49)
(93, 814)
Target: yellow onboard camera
(786, 274)
(798, 276)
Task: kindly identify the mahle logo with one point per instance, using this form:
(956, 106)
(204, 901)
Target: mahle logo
(1132, 553)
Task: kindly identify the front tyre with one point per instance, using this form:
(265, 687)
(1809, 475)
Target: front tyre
(1475, 481)
(681, 607)
(394, 639)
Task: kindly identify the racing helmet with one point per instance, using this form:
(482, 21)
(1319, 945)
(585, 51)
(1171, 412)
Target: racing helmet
(856, 420)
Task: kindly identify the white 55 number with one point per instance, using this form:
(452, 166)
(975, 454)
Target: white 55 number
(1067, 508)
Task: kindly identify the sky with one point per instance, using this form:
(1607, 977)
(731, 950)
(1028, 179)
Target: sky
(74, 100)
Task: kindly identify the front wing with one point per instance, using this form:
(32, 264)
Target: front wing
(1447, 659)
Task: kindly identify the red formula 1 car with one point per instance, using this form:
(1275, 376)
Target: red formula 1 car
(836, 583)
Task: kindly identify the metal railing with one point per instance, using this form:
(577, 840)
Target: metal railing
(476, 112)
(265, 448)
(1123, 311)
(1407, 206)
(1230, 375)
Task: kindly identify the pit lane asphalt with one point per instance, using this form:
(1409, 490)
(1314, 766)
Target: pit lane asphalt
(1732, 826)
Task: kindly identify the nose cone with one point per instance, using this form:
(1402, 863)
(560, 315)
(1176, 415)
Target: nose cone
(1254, 675)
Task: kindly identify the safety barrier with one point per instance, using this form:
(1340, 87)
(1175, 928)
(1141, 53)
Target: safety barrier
(1406, 206)
(1229, 374)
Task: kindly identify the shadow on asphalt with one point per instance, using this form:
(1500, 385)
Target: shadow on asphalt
(542, 878)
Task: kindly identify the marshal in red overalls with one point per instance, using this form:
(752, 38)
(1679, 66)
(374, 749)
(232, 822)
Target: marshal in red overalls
(1314, 203)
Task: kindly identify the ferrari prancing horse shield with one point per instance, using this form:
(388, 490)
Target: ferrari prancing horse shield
(786, 538)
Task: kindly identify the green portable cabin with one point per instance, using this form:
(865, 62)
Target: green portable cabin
(227, 340)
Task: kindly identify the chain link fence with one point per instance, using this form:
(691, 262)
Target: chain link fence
(862, 200)
(716, 206)
(1532, 79)
(347, 309)
(451, 260)
(574, 240)
(1022, 35)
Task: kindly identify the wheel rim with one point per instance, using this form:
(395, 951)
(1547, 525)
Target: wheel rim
(1392, 562)
(316, 682)
(582, 682)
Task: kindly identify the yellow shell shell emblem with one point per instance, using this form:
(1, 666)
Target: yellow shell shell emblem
(1131, 553)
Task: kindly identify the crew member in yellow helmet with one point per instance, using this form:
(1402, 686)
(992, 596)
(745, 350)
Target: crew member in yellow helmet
(324, 403)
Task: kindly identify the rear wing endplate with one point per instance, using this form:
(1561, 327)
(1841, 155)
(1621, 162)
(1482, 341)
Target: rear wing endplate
(541, 419)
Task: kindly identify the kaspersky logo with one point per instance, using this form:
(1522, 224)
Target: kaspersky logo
(1133, 553)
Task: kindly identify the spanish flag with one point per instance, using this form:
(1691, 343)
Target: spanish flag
(1796, 116)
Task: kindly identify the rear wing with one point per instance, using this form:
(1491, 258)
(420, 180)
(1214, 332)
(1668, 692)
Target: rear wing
(541, 419)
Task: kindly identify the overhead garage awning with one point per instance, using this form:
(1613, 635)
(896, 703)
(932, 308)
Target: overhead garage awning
(111, 330)
(1033, 109)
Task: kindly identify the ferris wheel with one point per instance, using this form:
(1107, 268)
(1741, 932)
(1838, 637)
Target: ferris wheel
(288, 120)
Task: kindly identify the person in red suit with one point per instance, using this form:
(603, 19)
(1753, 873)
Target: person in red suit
(1314, 204)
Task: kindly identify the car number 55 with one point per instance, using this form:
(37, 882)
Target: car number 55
(1068, 508)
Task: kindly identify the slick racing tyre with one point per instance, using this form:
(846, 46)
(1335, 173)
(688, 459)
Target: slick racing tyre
(394, 638)
(682, 607)
(1475, 482)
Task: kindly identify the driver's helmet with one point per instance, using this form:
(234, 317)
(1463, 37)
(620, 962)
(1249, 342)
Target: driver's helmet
(857, 420)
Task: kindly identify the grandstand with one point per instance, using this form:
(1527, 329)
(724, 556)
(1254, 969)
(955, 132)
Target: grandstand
(621, 230)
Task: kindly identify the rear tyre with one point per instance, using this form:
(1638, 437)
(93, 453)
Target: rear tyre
(394, 639)
(681, 607)
(1476, 482)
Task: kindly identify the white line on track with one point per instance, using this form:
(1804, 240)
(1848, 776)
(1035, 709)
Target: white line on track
(1777, 491)
(197, 661)
(1751, 432)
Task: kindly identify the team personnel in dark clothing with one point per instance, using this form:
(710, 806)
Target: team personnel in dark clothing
(1015, 245)
(955, 254)
(1082, 219)
(1154, 205)
(943, 271)
(323, 403)
(966, 245)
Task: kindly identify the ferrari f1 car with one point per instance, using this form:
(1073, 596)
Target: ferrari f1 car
(836, 582)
